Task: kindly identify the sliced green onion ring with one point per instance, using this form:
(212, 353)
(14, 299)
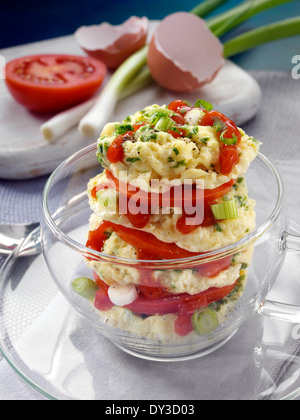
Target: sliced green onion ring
(205, 321)
(226, 210)
(164, 124)
(85, 287)
(108, 199)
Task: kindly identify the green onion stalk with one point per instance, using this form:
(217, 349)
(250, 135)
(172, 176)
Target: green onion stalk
(134, 74)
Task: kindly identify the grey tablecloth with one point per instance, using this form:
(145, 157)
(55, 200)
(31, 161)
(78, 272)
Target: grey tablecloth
(277, 126)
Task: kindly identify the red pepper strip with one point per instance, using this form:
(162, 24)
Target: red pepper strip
(175, 198)
(183, 324)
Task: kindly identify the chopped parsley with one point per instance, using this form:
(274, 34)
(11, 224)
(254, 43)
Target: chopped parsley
(219, 126)
(176, 151)
(201, 103)
(148, 137)
(132, 159)
(180, 163)
(228, 141)
(107, 234)
(205, 140)
(241, 200)
(218, 227)
(123, 128)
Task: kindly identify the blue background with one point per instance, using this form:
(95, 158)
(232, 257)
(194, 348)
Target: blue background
(23, 22)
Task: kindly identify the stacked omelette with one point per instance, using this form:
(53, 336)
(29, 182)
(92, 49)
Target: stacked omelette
(150, 152)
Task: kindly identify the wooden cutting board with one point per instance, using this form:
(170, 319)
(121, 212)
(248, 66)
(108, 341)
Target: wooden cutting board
(25, 154)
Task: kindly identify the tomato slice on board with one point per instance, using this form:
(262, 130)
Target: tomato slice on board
(53, 82)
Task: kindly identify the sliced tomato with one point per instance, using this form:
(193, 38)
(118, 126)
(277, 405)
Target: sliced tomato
(179, 119)
(210, 117)
(52, 83)
(177, 105)
(185, 228)
(139, 221)
(102, 300)
(229, 157)
(115, 152)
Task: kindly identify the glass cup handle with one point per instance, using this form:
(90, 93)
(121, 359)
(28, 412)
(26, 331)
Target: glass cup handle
(278, 310)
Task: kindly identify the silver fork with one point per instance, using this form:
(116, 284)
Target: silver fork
(25, 236)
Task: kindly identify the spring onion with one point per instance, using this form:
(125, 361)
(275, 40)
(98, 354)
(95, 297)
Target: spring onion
(98, 116)
(164, 124)
(134, 74)
(223, 23)
(225, 210)
(85, 287)
(206, 7)
(64, 121)
(108, 199)
(228, 141)
(205, 321)
(273, 32)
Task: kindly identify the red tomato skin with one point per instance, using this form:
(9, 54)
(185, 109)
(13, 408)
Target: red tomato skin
(54, 97)
(97, 237)
(177, 105)
(229, 157)
(102, 301)
(115, 152)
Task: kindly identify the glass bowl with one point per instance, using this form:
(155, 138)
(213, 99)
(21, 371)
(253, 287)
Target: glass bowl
(64, 234)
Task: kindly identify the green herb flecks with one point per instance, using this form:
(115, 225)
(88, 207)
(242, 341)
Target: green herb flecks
(133, 159)
(228, 141)
(218, 227)
(204, 140)
(201, 103)
(180, 163)
(123, 128)
(219, 125)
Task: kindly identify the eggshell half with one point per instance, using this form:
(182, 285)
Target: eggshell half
(184, 54)
(113, 44)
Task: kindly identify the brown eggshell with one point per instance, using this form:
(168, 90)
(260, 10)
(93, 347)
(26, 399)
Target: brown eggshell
(184, 54)
(113, 44)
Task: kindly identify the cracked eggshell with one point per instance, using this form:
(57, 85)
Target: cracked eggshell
(113, 44)
(183, 53)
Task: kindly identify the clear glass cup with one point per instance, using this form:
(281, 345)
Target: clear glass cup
(64, 233)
